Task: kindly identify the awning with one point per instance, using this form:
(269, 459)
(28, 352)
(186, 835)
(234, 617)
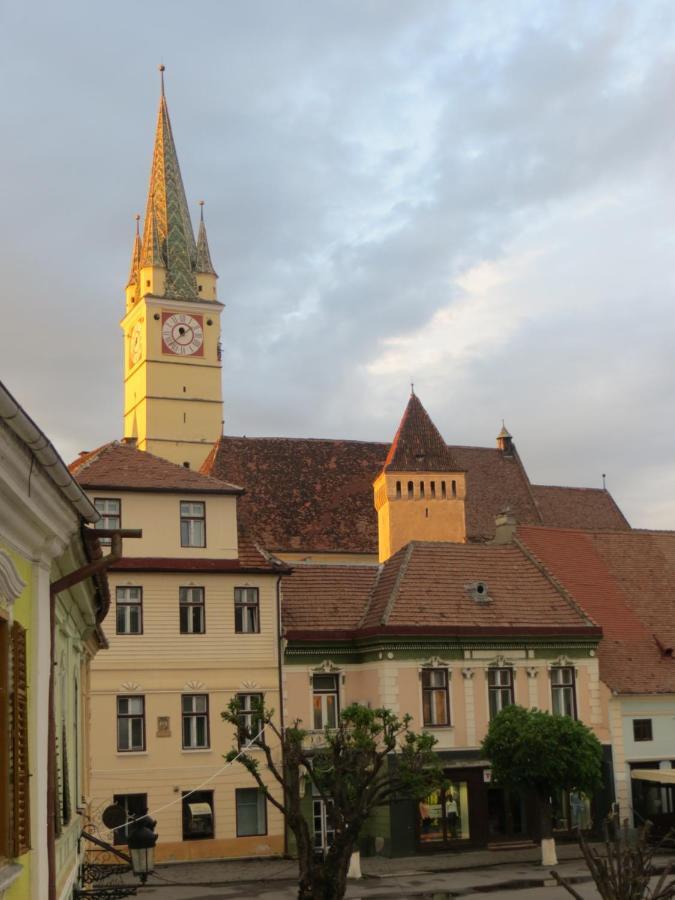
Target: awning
(200, 809)
(661, 776)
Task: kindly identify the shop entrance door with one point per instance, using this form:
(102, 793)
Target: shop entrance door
(507, 820)
(445, 816)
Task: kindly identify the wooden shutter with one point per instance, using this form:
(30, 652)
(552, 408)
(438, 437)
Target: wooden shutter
(20, 773)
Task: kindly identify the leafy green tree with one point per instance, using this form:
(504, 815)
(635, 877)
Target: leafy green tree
(531, 750)
(369, 758)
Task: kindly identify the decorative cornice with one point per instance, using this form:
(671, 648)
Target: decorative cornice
(11, 583)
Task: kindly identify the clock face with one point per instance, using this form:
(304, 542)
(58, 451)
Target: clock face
(182, 334)
(135, 344)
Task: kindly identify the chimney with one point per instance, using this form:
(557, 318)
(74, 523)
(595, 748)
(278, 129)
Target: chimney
(129, 441)
(505, 527)
(505, 441)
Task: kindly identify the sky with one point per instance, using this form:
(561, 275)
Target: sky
(476, 197)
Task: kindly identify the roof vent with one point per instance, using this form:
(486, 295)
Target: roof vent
(478, 591)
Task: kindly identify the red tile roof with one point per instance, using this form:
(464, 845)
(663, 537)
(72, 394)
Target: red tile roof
(418, 445)
(305, 494)
(120, 466)
(425, 589)
(626, 582)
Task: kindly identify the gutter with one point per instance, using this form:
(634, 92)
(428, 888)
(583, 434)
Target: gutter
(43, 450)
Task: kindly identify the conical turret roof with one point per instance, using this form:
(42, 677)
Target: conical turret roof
(418, 445)
(168, 238)
(203, 263)
(134, 270)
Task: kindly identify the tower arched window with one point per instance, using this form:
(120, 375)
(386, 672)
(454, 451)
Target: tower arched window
(411, 490)
(453, 487)
(432, 489)
(398, 490)
(443, 492)
(421, 489)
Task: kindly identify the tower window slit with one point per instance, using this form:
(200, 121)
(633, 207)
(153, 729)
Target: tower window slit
(421, 489)
(398, 490)
(432, 489)
(453, 488)
(443, 491)
(184, 417)
(411, 490)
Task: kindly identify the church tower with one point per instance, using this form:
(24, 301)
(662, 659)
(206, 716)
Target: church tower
(173, 403)
(420, 492)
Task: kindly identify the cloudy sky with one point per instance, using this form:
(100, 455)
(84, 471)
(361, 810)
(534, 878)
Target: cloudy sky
(475, 196)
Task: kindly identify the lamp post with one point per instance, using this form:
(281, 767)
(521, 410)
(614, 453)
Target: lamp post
(141, 841)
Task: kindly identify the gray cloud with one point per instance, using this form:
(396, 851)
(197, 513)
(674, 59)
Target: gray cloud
(359, 161)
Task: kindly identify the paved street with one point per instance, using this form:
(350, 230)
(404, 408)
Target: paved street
(400, 879)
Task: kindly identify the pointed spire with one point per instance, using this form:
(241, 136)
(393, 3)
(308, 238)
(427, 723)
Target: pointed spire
(134, 272)
(418, 445)
(505, 440)
(203, 262)
(168, 238)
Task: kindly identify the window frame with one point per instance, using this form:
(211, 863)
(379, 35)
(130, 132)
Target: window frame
(324, 693)
(188, 797)
(564, 687)
(128, 605)
(496, 690)
(241, 606)
(249, 714)
(127, 717)
(103, 521)
(191, 716)
(121, 835)
(190, 606)
(261, 800)
(430, 690)
(642, 722)
(192, 518)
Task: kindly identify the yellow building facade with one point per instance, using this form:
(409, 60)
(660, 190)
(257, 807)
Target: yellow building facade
(195, 618)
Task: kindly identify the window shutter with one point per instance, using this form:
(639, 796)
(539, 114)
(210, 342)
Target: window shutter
(66, 811)
(20, 780)
(58, 786)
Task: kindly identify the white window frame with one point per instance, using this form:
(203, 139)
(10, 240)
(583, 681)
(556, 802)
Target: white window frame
(324, 694)
(126, 605)
(190, 717)
(563, 687)
(128, 718)
(498, 689)
(191, 606)
(195, 536)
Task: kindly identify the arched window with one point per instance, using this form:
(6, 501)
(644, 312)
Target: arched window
(443, 493)
(411, 490)
(432, 488)
(421, 489)
(398, 490)
(454, 488)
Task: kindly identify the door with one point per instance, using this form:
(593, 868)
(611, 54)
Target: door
(443, 815)
(506, 815)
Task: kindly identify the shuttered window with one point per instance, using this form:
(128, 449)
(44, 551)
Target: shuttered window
(19, 774)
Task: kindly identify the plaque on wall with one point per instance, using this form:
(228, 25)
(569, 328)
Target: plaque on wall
(163, 726)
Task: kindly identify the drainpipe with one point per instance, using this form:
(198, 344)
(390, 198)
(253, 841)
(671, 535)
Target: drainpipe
(56, 587)
(280, 651)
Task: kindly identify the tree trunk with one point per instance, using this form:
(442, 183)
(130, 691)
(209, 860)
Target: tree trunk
(548, 854)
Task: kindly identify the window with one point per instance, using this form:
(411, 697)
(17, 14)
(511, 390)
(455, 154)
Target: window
(325, 701)
(435, 700)
(642, 730)
(195, 721)
(130, 723)
(198, 815)
(129, 610)
(411, 490)
(500, 689)
(133, 806)
(15, 793)
(421, 489)
(443, 490)
(191, 610)
(398, 490)
(432, 488)
(192, 524)
(246, 610)
(250, 720)
(562, 691)
(251, 812)
(323, 826)
(110, 511)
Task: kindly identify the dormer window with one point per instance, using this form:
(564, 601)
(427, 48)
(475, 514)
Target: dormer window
(478, 591)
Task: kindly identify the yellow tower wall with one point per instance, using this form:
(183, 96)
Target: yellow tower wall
(422, 517)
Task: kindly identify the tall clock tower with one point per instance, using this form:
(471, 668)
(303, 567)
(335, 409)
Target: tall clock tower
(173, 403)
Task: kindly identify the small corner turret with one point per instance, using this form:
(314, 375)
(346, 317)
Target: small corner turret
(420, 492)
(505, 441)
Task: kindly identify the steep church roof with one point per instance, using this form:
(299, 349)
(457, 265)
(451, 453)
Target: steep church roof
(310, 494)
(418, 445)
(168, 239)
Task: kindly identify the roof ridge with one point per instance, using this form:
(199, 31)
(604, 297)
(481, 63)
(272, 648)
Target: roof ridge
(85, 460)
(397, 584)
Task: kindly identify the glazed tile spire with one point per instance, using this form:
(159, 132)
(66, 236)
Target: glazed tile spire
(203, 263)
(168, 239)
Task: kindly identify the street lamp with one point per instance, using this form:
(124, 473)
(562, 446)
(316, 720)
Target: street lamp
(141, 842)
